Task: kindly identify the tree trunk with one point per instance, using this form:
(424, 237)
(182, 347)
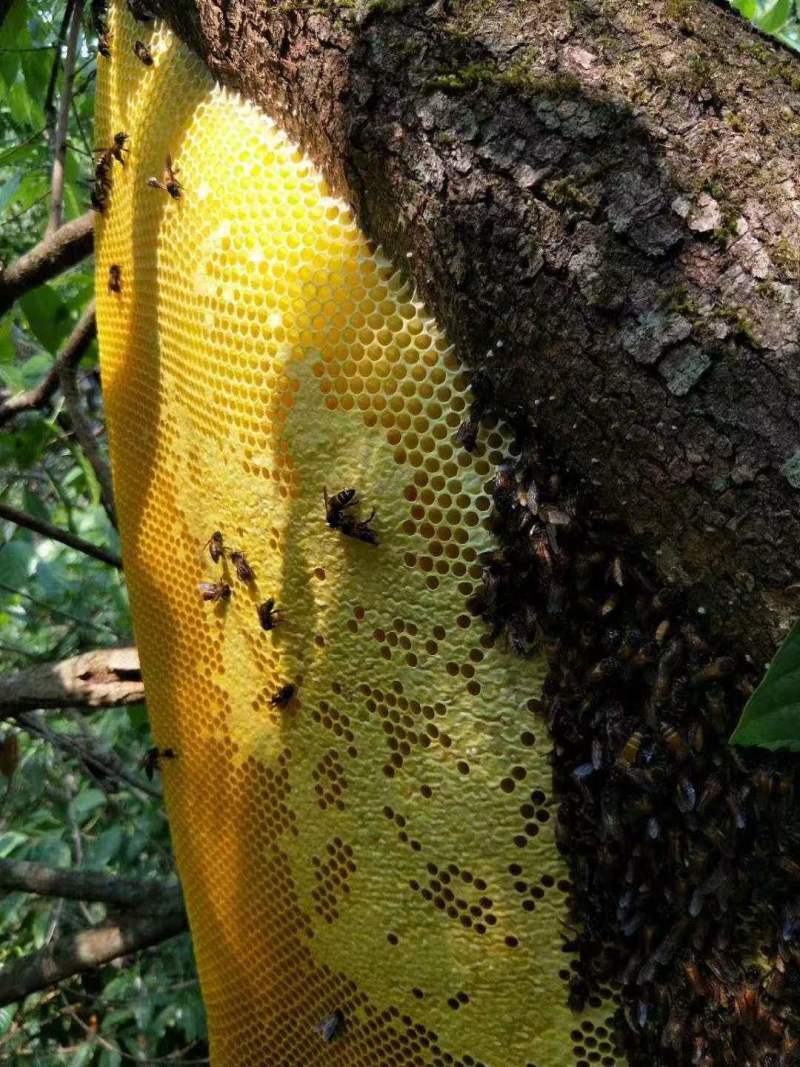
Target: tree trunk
(599, 201)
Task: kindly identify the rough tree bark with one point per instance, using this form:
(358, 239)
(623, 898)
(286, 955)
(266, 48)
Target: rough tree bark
(599, 201)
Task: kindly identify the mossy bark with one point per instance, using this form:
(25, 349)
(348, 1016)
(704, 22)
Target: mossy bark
(599, 200)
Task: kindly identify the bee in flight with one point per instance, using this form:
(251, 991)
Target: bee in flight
(151, 761)
(168, 180)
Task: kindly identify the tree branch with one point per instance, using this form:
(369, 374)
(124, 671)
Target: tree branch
(104, 678)
(100, 764)
(55, 533)
(57, 251)
(85, 950)
(154, 895)
(85, 434)
(60, 145)
(70, 355)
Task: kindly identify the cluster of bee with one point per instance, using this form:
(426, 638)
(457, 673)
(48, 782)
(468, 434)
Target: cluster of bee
(101, 28)
(221, 591)
(340, 516)
(103, 169)
(683, 851)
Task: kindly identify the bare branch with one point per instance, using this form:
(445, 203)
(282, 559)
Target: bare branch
(100, 764)
(48, 109)
(153, 895)
(60, 146)
(70, 356)
(55, 533)
(57, 251)
(104, 678)
(85, 950)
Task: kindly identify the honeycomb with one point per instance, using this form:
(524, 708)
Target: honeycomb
(382, 844)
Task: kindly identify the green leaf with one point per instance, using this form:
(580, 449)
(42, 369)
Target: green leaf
(109, 1057)
(7, 1017)
(86, 802)
(9, 190)
(48, 316)
(15, 562)
(9, 841)
(83, 1055)
(771, 717)
(8, 350)
(775, 17)
(104, 849)
(15, 25)
(748, 8)
(35, 368)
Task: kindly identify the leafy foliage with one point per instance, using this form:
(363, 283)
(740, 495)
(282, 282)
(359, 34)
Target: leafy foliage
(779, 18)
(771, 718)
(55, 602)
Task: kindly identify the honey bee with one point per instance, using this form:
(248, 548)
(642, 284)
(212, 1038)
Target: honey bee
(114, 279)
(244, 571)
(140, 11)
(151, 761)
(283, 696)
(630, 750)
(141, 51)
(104, 37)
(214, 590)
(215, 546)
(685, 795)
(674, 741)
(330, 1026)
(712, 789)
(336, 505)
(168, 180)
(118, 147)
(102, 180)
(715, 671)
(267, 613)
(467, 434)
(694, 976)
(338, 516)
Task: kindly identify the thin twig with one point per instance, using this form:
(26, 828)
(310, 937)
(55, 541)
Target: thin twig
(70, 355)
(59, 250)
(86, 950)
(55, 533)
(98, 628)
(60, 145)
(106, 762)
(85, 435)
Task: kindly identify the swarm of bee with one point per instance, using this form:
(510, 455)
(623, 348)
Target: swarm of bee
(684, 854)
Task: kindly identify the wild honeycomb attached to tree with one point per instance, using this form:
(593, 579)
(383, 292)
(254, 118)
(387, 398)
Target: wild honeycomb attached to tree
(380, 844)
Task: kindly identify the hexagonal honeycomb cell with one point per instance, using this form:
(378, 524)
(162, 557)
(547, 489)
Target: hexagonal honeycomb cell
(379, 840)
